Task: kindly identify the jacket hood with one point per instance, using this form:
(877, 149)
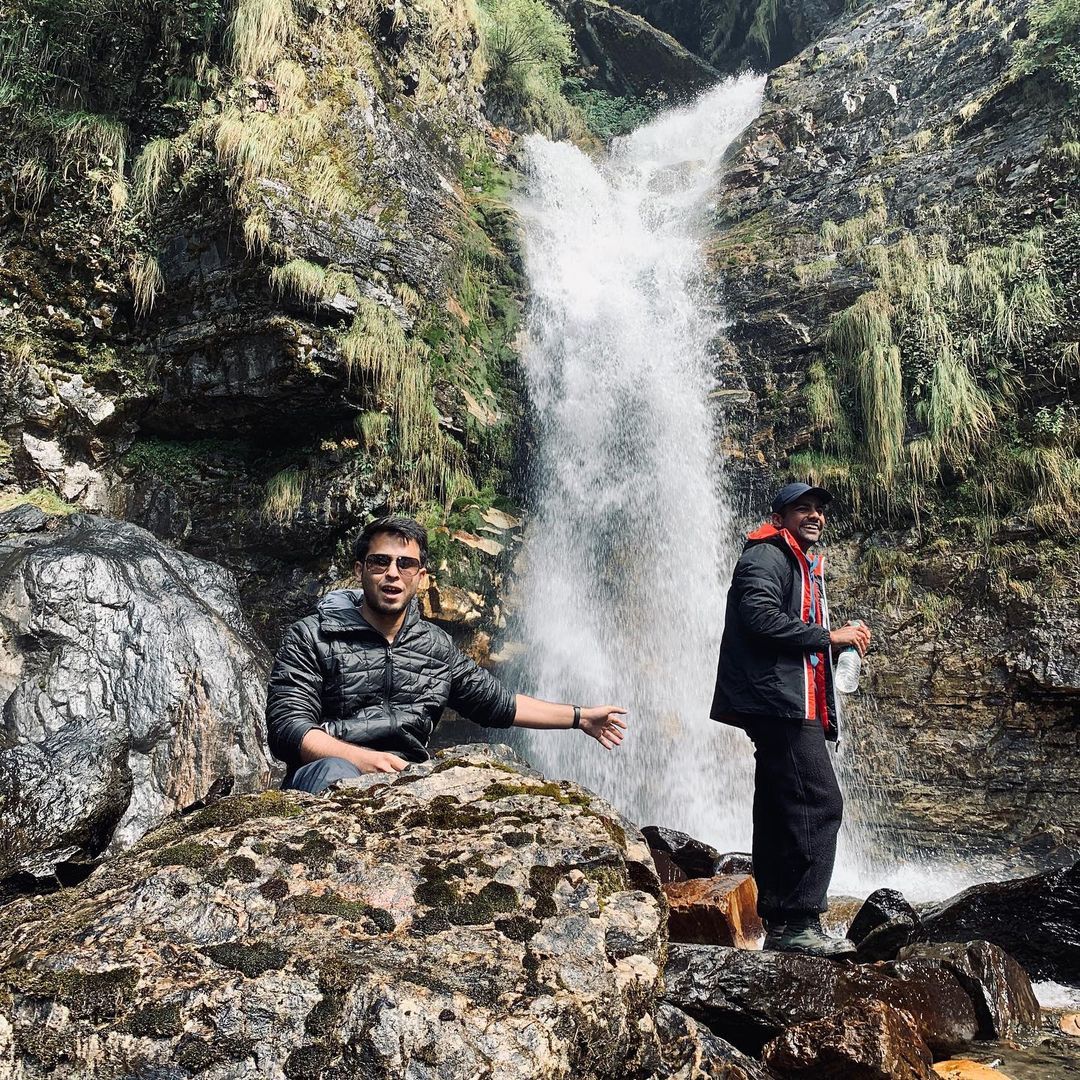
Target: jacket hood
(339, 612)
(766, 533)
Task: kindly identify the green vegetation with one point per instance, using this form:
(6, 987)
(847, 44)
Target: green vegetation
(284, 496)
(45, 499)
(1052, 46)
(926, 382)
(607, 115)
(527, 49)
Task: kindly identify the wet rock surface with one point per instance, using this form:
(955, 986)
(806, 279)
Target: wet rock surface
(714, 911)
(693, 857)
(460, 918)
(689, 1051)
(750, 998)
(883, 925)
(867, 1041)
(131, 683)
(1035, 919)
(629, 57)
(998, 986)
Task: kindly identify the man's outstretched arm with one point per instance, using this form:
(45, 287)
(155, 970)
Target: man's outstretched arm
(602, 722)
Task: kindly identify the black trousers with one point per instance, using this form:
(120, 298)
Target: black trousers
(797, 812)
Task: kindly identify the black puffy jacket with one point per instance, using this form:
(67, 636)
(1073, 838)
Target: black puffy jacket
(765, 667)
(336, 671)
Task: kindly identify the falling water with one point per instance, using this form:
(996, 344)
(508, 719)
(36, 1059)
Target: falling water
(631, 541)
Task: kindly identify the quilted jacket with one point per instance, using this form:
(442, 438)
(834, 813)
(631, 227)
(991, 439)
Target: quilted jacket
(335, 671)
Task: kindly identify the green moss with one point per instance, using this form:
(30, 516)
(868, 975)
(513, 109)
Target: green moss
(517, 927)
(445, 813)
(547, 790)
(156, 1021)
(438, 893)
(306, 1062)
(252, 960)
(275, 889)
(516, 839)
(330, 903)
(493, 899)
(607, 879)
(93, 995)
(434, 921)
(44, 499)
(228, 813)
(542, 882)
(316, 849)
(191, 854)
(242, 868)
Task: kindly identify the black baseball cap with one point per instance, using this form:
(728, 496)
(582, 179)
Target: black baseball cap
(790, 492)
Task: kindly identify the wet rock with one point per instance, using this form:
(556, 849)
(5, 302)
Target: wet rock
(694, 858)
(715, 911)
(840, 913)
(452, 920)
(998, 986)
(689, 1051)
(884, 924)
(750, 998)
(130, 681)
(1035, 919)
(630, 57)
(735, 862)
(866, 1041)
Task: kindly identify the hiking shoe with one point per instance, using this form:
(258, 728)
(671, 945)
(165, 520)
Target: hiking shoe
(806, 936)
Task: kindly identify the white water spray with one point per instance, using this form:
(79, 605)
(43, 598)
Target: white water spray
(631, 543)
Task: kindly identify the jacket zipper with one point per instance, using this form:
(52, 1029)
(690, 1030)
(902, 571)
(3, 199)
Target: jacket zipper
(388, 678)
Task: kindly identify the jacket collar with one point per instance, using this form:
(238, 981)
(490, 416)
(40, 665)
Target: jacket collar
(767, 532)
(339, 613)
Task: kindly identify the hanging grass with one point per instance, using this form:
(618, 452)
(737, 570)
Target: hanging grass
(151, 169)
(375, 345)
(309, 283)
(284, 496)
(147, 281)
(374, 430)
(258, 32)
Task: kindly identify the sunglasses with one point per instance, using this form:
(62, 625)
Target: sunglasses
(407, 566)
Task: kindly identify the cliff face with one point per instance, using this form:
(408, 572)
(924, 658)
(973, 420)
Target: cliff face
(897, 248)
(252, 293)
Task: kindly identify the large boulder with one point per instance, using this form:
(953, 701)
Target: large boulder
(866, 1041)
(998, 986)
(1036, 919)
(694, 858)
(883, 925)
(750, 997)
(131, 683)
(462, 918)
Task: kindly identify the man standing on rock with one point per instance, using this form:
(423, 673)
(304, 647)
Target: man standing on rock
(359, 686)
(775, 682)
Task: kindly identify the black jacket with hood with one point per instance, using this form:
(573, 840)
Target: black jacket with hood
(771, 639)
(337, 672)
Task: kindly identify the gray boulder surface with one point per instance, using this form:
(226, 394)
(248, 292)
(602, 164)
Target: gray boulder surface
(462, 918)
(130, 683)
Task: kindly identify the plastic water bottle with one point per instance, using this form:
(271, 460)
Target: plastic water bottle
(848, 667)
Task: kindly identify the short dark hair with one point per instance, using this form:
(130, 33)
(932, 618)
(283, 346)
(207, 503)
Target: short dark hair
(406, 528)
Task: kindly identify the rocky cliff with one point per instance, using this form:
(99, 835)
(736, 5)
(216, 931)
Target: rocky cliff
(896, 242)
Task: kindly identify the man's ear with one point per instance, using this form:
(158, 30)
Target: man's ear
(358, 569)
(778, 521)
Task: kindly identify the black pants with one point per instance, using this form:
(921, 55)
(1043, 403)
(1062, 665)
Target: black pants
(797, 812)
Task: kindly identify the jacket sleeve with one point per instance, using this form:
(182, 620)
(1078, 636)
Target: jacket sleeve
(294, 696)
(478, 695)
(760, 580)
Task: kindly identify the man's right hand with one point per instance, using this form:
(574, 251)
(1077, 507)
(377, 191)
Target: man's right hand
(859, 636)
(376, 761)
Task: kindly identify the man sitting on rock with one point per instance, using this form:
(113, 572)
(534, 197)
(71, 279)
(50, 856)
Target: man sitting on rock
(359, 686)
(775, 682)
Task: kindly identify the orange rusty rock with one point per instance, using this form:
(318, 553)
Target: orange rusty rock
(1070, 1023)
(965, 1069)
(715, 911)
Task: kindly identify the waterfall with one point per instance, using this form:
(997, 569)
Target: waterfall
(632, 539)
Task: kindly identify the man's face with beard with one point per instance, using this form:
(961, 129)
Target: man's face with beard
(389, 586)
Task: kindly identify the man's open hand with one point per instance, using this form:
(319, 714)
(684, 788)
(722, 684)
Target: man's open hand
(859, 636)
(603, 724)
(377, 761)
